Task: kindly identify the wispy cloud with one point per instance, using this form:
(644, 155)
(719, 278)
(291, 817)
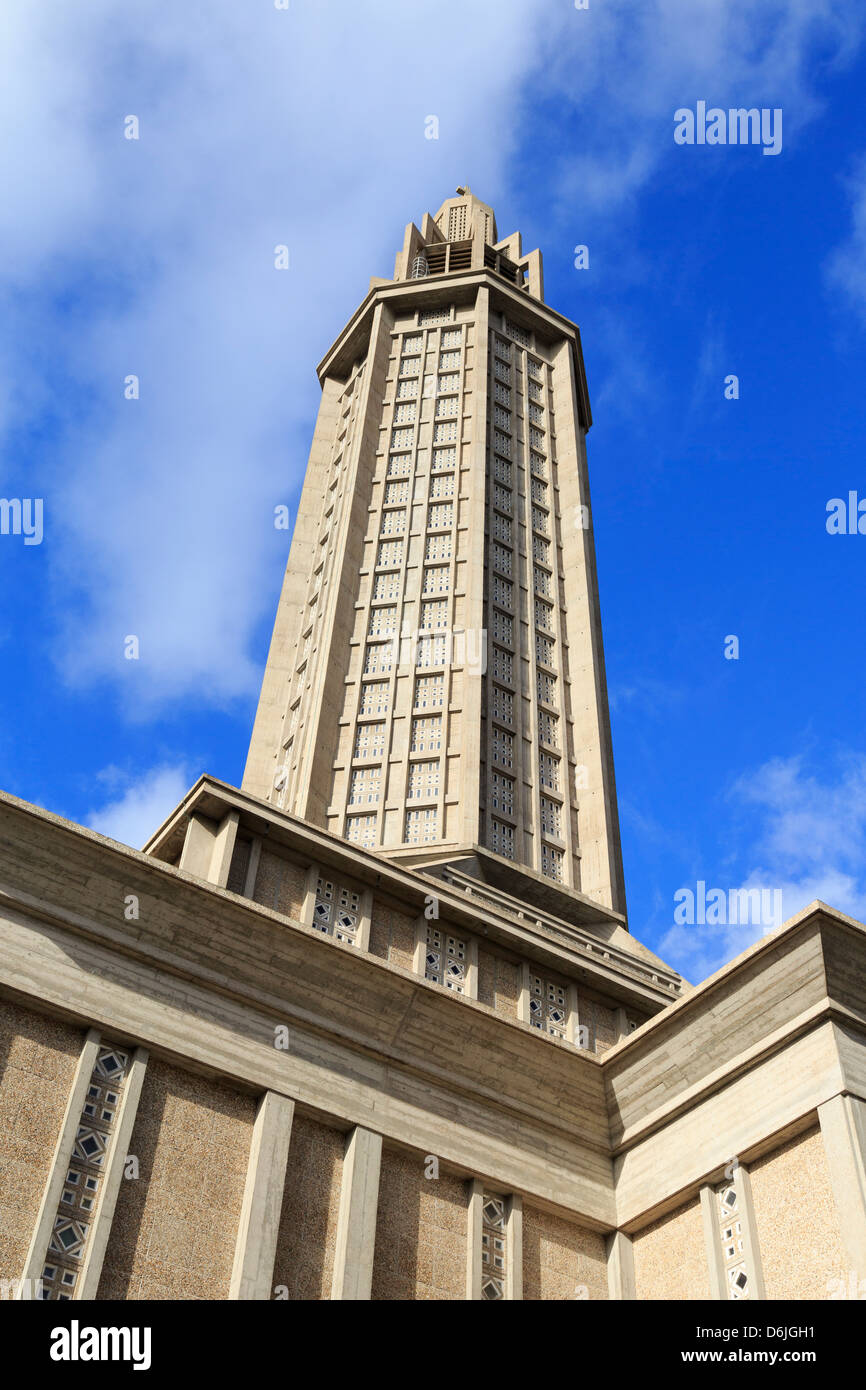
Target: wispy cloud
(667, 54)
(154, 257)
(846, 266)
(801, 833)
(138, 803)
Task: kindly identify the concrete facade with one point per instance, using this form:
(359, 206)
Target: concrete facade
(608, 1155)
(275, 1056)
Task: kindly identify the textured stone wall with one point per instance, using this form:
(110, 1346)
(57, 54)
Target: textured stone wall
(600, 1021)
(280, 884)
(670, 1259)
(304, 1263)
(38, 1057)
(560, 1259)
(498, 983)
(421, 1232)
(238, 869)
(392, 935)
(174, 1229)
(798, 1226)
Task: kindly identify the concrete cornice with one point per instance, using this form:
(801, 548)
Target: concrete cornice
(461, 285)
(575, 949)
(240, 949)
(742, 1061)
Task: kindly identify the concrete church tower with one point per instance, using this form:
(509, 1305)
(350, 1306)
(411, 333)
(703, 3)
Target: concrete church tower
(435, 687)
(373, 1025)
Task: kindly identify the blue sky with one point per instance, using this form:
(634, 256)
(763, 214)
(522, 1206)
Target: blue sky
(306, 126)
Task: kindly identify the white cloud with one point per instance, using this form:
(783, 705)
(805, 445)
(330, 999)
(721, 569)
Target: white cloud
(142, 804)
(846, 267)
(806, 837)
(155, 257)
(631, 66)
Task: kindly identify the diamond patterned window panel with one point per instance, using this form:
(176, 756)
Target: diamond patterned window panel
(551, 816)
(448, 382)
(548, 729)
(441, 514)
(364, 787)
(502, 793)
(733, 1243)
(501, 838)
(427, 734)
(449, 361)
(383, 621)
(502, 704)
(548, 1007)
(84, 1176)
(503, 664)
(548, 768)
(452, 338)
(541, 550)
(429, 692)
(370, 741)
(423, 781)
(442, 486)
(502, 559)
(502, 371)
(445, 432)
(543, 616)
(457, 222)
(361, 830)
(541, 519)
(422, 826)
(545, 687)
(394, 522)
(503, 592)
(503, 627)
(378, 658)
(502, 498)
(502, 470)
(494, 1252)
(374, 698)
(543, 582)
(389, 555)
(431, 651)
(552, 861)
(436, 579)
(396, 492)
(431, 317)
(519, 334)
(337, 910)
(445, 960)
(444, 459)
(434, 614)
(438, 547)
